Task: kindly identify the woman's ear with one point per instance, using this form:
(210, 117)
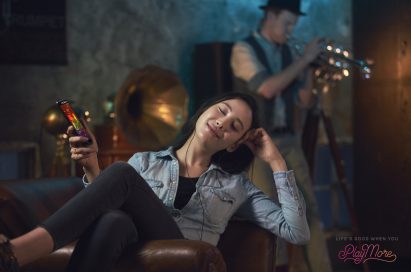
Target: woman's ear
(242, 140)
(233, 147)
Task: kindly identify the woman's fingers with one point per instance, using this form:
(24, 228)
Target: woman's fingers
(250, 145)
(253, 140)
(77, 142)
(81, 150)
(70, 131)
(73, 140)
(256, 136)
(78, 156)
(246, 137)
(84, 122)
(81, 153)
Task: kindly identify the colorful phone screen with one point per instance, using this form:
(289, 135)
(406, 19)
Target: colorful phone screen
(73, 119)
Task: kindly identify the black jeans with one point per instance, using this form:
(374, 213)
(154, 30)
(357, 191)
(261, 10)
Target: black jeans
(118, 208)
(100, 246)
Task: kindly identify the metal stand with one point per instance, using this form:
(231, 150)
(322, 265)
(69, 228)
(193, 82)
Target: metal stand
(309, 146)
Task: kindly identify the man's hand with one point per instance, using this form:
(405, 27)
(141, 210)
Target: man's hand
(313, 50)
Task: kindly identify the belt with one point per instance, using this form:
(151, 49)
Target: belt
(281, 130)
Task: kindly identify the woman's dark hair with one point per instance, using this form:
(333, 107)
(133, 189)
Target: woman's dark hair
(232, 162)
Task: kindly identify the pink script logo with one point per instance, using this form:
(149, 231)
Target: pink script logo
(366, 252)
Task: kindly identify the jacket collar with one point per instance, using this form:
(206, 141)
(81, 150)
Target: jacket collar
(170, 154)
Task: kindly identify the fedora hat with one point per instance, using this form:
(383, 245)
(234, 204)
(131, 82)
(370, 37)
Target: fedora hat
(290, 5)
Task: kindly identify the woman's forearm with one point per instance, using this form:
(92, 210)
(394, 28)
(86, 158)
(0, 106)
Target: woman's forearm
(92, 169)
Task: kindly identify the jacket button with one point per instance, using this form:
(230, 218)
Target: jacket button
(175, 214)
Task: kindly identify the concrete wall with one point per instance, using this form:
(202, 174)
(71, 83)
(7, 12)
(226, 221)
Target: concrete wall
(107, 39)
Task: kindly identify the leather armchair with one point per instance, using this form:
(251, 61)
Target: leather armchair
(242, 247)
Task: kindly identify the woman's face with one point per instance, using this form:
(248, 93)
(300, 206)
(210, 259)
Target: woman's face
(222, 125)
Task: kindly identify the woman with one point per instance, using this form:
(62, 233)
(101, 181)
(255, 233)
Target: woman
(187, 191)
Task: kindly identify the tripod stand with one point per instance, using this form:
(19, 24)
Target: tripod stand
(309, 143)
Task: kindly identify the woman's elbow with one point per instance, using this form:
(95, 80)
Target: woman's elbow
(303, 237)
(300, 237)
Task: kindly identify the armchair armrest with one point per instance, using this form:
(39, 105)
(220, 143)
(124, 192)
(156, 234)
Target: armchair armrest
(172, 255)
(153, 256)
(247, 247)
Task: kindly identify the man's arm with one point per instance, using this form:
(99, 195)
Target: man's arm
(245, 65)
(277, 83)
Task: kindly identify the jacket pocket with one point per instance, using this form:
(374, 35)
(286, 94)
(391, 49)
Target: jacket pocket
(218, 205)
(155, 185)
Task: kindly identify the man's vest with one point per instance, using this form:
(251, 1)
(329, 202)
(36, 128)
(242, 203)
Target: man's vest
(266, 106)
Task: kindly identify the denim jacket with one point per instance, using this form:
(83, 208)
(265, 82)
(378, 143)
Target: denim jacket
(219, 196)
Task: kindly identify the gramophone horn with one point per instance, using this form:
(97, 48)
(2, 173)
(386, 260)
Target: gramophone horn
(151, 107)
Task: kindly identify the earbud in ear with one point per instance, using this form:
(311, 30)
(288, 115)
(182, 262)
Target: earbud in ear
(232, 148)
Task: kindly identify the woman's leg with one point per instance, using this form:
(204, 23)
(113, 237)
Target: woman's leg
(117, 187)
(100, 246)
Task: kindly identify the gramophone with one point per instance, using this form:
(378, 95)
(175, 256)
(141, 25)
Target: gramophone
(146, 113)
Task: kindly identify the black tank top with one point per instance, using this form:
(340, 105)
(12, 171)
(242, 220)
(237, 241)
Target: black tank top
(186, 188)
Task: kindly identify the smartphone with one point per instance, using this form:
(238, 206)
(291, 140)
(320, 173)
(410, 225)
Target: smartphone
(71, 116)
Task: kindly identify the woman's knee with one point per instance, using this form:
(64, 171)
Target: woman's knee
(118, 225)
(121, 167)
(103, 243)
(116, 219)
(120, 171)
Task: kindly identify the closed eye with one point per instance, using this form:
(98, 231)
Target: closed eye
(237, 125)
(222, 111)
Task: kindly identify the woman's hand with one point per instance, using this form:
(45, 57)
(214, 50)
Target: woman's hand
(263, 147)
(86, 156)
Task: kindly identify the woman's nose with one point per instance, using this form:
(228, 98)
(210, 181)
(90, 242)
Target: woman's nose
(219, 123)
